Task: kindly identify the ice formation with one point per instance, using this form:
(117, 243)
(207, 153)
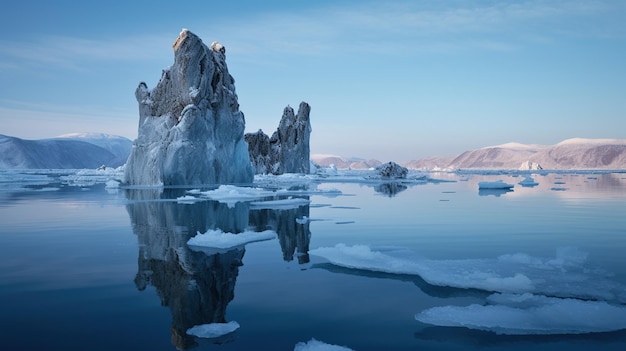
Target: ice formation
(528, 181)
(288, 150)
(220, 240)
(316, 345)
(498, 184)
(392, 170)
(565, 275)
(281, 204)
(213, 330)
(520, 314)
(190, 126)
(230, 194)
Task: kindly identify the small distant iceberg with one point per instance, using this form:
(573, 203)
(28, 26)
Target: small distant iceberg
(213, 330)
(498, 184)
(528, 182)
(316, 345)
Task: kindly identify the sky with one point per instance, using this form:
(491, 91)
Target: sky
(391, 80)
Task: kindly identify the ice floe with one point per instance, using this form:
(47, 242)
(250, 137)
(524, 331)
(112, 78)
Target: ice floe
(218, 239)
(316, 345)
(230, 194)
(213, 330)
(565, 275)
(284, 204)
(528, 181)
(498, 184)
(530, 314)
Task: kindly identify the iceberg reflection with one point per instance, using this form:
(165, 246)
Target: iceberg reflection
(197, 285)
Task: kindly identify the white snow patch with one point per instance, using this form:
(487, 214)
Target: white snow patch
(221, 240)
(213, 330)
(520, 314)
(316, 345)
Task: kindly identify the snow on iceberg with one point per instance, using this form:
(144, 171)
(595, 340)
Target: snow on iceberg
(213, 330)
(498, 184)
(316, 345)
(562, 276)
(218, 239)
(521, 314)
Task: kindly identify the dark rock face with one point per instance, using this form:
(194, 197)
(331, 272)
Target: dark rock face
(288, 150)
(392, 170)
(190, 126)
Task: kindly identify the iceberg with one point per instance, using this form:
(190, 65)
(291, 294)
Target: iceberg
(498, 184)
(218, 239)
(213, 330)
(316, 345)
(190, 127)
(392, 170)
(528, 181)
(288, 150)
(521, 314)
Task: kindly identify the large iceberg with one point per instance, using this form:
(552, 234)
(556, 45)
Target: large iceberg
(190, 126)
(288, 150)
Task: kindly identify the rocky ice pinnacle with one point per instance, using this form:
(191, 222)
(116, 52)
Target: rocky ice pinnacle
(392, 170)
(288, 150)
(190, 126)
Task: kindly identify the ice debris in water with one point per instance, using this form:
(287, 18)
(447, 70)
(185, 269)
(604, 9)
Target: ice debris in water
(520, 314)
(213, 330)
(562, 276)
(498, 184)
(284, 204)
(221, 240)
(316, 345)
(230, 194)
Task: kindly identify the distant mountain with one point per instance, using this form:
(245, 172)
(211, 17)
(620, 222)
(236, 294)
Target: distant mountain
(67, 151)
(577, 153)
(344, 163)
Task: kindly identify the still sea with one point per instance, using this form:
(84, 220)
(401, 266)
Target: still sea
(86, 264)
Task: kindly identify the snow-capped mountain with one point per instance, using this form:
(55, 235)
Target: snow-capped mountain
(325, 160)
(576, 153)
(67, 151)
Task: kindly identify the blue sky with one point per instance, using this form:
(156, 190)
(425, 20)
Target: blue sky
(393, 80)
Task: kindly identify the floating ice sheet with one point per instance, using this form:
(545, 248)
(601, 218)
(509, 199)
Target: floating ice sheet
(530, 314)
(213, 330)
(230, 194)
(316, 345)
(285, 204)
(220, 240)
(565, 275)
(498, 184)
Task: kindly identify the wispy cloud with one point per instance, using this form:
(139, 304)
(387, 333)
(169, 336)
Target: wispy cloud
(78, 53)
(418, 27)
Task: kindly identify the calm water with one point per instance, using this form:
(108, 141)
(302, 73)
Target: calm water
(84, 267)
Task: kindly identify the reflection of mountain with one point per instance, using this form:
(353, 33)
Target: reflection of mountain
(292, 226)
(195, 286)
